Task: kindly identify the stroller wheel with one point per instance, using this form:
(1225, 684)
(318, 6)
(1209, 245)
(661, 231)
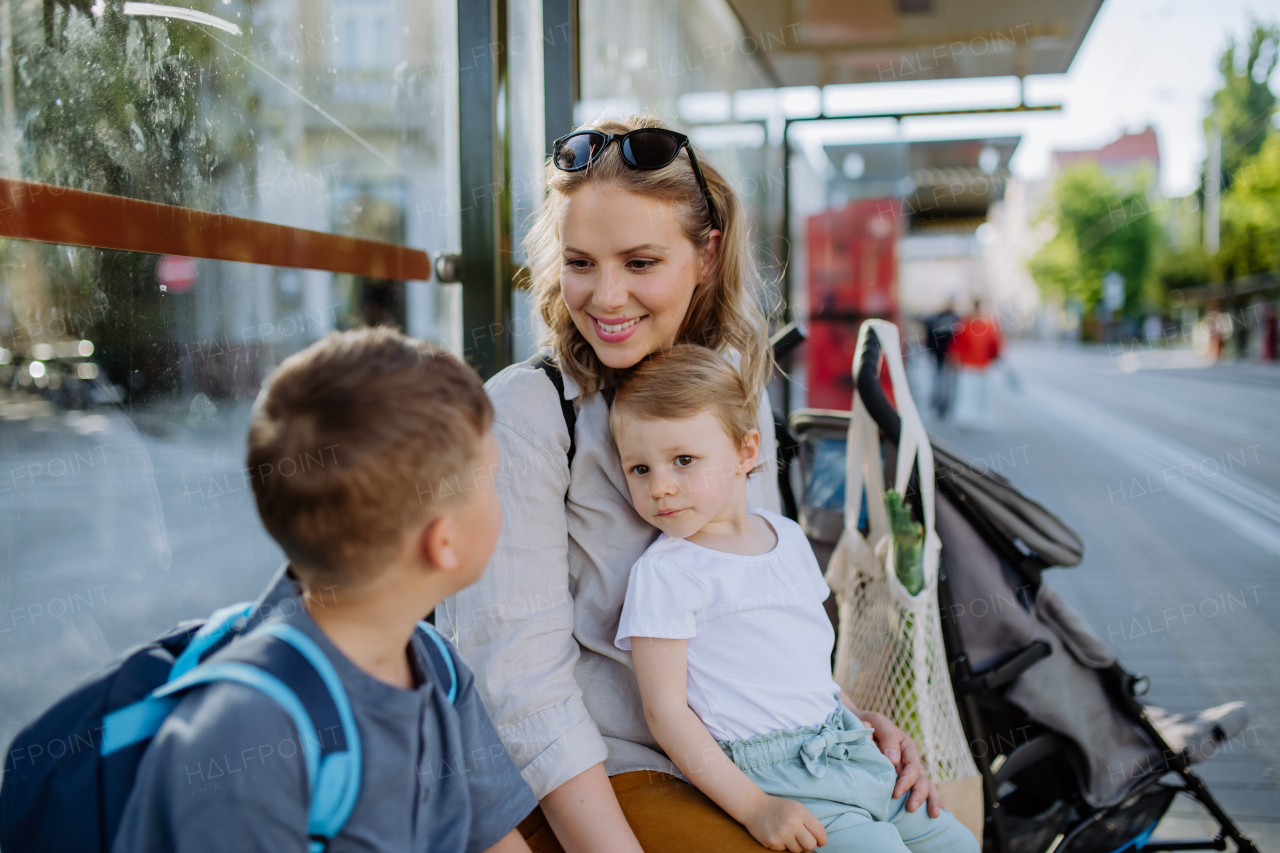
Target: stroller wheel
(1123, 827)
(1037, 833)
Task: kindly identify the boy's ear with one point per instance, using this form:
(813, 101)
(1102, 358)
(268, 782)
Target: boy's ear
(749, 453)
(437, 542)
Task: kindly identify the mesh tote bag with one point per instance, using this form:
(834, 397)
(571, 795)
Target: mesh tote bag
(889, 654)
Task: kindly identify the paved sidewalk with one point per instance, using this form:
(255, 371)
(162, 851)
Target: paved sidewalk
(1179, 576)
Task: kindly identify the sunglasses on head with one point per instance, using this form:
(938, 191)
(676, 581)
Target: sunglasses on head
(646, 149)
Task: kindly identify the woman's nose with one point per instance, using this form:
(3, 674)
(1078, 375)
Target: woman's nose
(611, 292)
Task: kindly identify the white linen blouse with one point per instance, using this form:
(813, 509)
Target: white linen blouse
(538, 629)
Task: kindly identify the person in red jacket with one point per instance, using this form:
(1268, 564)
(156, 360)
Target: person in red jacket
(976, 344)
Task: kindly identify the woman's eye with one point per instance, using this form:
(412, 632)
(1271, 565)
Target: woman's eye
(684, 461)
(577, 264)
(640, 470)
(639, 265)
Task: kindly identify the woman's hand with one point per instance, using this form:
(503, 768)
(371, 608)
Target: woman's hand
(782, 824)
(900, 749)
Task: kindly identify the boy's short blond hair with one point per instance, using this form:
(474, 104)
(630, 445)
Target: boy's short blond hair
(348, 439)
(682, 382)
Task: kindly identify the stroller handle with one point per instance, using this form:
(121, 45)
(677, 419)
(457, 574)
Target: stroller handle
(786, 339)
(873, 396)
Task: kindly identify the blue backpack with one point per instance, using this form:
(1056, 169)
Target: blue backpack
(85, 750)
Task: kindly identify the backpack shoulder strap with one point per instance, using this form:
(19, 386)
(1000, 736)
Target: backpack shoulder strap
(141, 720)
(441, 659)
(546, 363)
(288, 666)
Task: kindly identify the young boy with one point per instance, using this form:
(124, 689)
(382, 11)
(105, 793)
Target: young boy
(731, 645)
(372, 466)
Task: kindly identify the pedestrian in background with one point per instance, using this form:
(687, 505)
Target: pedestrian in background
(975, 345)
(939, 330)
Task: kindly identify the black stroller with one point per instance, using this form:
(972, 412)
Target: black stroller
(1072, 760)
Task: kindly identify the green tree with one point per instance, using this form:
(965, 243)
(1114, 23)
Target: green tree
(1250, 241)
(141, 107)
(1178, 268)
(1102, 224)
(1250, 200)
(1245, 103)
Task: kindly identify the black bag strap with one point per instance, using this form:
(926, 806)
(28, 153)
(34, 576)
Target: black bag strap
(441, 660)
(547, 365)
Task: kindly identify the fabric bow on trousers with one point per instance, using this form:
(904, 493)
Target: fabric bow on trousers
(838, 773)
(829, 743)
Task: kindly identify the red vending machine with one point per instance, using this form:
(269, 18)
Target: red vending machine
(852, 276)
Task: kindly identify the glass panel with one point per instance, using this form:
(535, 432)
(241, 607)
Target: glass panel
(653, 56)
(646, 55)
(528, 154)
(824, 481)
(125, 378)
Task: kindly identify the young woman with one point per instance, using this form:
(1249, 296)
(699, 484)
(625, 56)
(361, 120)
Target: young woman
(639, 246)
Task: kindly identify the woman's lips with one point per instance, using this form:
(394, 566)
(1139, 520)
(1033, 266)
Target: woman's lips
(622, 328)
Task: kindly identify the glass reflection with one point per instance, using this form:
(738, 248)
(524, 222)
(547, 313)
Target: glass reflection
(126, 378)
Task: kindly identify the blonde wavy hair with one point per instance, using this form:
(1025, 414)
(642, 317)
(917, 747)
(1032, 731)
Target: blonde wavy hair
(725, 312)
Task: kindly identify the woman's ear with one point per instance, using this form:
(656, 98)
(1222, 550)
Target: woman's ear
(709, 254)
(749, 453)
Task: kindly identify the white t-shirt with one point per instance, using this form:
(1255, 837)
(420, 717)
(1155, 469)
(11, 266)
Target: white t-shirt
(759, 640)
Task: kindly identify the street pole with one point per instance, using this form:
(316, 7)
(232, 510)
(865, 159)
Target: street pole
(1213, 187)
(559, 67)
(484, 159)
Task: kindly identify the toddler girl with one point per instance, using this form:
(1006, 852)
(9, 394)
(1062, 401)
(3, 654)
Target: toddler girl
(731, 645)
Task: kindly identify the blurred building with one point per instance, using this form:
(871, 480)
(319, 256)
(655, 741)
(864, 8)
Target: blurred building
(1129, 154)
(901, 238)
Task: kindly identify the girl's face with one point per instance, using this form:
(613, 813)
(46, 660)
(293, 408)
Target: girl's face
(685, 474)
(628, 272)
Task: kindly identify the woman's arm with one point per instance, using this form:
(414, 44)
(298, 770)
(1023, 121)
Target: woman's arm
(777, 823)
(514, 627)
(585, 815)
(899, 748)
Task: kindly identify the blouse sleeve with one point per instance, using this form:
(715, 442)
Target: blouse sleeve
(514, 627)
(662, 601)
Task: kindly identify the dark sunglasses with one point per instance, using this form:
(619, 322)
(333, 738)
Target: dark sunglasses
(646, 149)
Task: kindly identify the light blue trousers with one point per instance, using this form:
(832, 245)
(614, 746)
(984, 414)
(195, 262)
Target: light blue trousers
(840, 775)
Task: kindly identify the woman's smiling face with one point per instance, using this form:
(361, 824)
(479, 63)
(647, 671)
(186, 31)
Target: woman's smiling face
(628, 271)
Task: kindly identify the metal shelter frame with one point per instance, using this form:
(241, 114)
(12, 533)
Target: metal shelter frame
(484, 266)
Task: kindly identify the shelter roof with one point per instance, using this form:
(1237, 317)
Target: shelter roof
(822, 42)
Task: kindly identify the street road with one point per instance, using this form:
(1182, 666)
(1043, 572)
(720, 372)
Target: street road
(1172, 478)
(113, 529)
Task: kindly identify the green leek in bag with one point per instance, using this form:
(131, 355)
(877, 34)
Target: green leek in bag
(907, 539)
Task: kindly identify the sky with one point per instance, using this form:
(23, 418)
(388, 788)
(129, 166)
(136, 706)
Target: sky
(1143, 62)
(1146, 62)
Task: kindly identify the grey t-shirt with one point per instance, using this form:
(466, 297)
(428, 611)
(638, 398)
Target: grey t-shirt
(225, 773)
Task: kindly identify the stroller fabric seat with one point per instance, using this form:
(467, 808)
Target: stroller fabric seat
(999, 615)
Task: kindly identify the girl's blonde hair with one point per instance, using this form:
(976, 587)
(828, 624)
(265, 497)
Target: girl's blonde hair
(725, 312)
(682, 382)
